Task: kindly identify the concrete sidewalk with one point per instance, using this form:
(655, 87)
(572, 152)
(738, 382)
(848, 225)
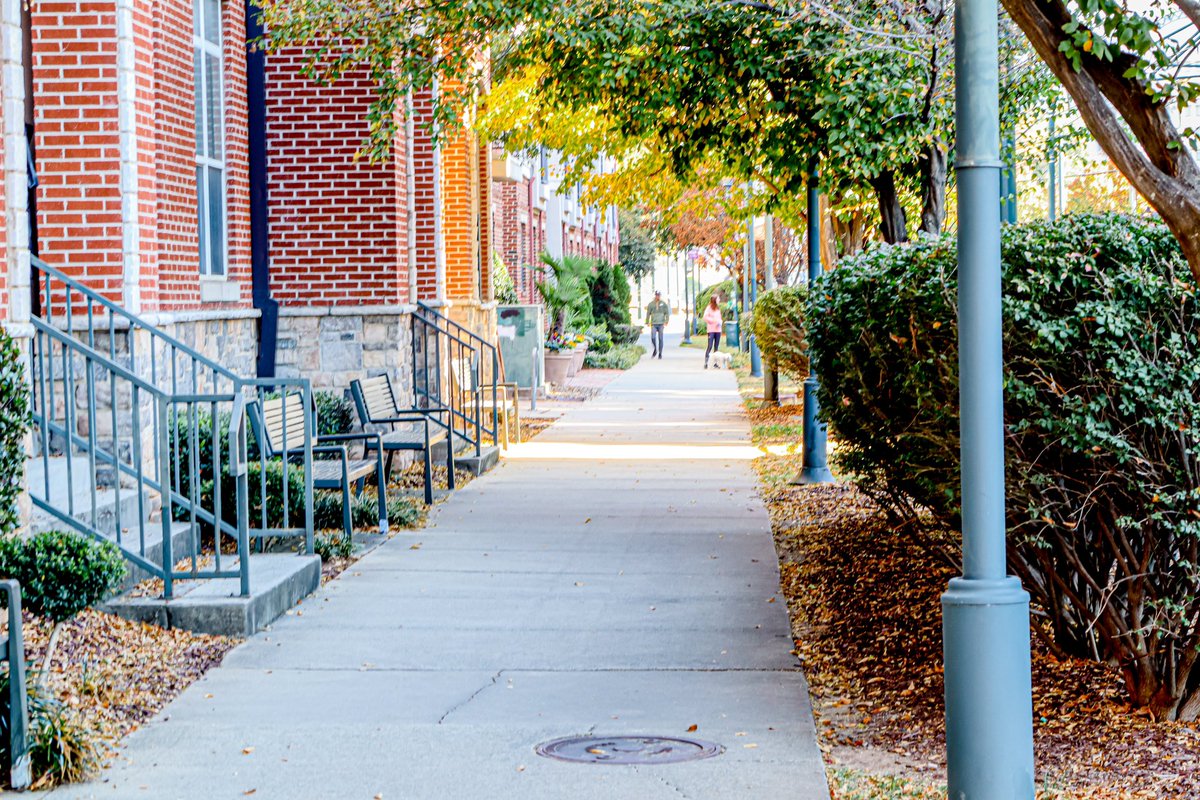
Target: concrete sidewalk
(613, 576)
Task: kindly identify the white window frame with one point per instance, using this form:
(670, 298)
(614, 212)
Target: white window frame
(203, 47)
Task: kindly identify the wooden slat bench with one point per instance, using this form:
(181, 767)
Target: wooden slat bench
(401, 429)
(279, 429)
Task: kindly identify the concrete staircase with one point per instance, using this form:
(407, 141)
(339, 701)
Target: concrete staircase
(214, 606)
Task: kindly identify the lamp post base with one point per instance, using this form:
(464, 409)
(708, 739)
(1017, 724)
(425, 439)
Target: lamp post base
(755, 360)
(989, 706)
(810, 476)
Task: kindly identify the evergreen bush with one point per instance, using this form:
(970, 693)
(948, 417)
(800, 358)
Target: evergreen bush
(14, 422)
(1102, 369)
(335, 413)
(61, 572)
(626, 334)
(778, 324)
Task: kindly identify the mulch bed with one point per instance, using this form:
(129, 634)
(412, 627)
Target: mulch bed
(116, 673)
(866, 616)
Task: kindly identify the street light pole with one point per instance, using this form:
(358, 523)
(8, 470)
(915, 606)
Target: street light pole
(816, 460)
(985, 613)
(1052, 164)
(687, 304)
(752, 277)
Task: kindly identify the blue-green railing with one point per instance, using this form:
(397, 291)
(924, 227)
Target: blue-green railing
(455, 374)
(16, 720)
(141, 440)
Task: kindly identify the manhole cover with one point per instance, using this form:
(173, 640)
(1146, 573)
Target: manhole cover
(628, 749)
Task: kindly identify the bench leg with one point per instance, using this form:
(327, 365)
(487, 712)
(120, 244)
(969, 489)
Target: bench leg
(428, 475)
(347, 513)
(383, 498)
(388, 466)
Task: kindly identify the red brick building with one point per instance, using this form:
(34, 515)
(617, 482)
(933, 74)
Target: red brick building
(533, 213)
(216, 193)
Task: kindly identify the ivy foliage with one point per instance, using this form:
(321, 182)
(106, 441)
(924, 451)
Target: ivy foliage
(14, 422)
(1102, 365)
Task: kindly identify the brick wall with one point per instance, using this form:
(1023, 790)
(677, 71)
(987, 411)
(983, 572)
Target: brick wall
(78, 144)
(339, 226)
(459, 191)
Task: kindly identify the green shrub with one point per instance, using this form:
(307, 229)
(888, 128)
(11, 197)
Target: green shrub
(335, 413)
(599, 339)
(622, 356)
(333, 544)
(609, 288)
(1102, 364)
(61, 572)
(504, 289)
(14, 422)
(626, 334)
(778, 325)
(723, 290)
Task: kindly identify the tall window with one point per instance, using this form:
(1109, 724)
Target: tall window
(210, 135)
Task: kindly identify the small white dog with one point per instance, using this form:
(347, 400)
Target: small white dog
(721, 360)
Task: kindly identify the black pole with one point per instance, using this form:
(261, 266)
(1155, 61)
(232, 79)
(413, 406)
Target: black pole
(260, 237)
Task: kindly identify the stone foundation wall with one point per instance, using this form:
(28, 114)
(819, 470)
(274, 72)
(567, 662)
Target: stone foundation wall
(335, 346)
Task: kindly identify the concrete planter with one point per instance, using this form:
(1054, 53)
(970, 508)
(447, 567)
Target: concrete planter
(577, 362)
(558, 365)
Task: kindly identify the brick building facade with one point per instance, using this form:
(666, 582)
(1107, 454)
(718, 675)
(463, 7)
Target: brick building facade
(143, 133)
(533, 213)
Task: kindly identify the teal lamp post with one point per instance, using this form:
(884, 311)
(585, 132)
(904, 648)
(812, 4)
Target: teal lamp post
(752, 297)
(985, 613)
(816, 459)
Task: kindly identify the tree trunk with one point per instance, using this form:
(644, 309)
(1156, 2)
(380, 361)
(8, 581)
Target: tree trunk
(933, 188)
(893, 224)
(829, 250)
(1162, 168)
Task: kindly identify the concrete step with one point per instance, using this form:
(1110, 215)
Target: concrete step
(464, 455)
(70, 490)
(277, 582)
(145, 539)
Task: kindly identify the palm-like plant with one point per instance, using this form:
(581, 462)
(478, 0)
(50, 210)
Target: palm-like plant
(565, 292)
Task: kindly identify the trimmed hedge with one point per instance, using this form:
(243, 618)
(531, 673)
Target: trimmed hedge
(778, 324)
(1102, 369)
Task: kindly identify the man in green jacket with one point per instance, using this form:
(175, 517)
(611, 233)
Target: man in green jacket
(657, 315)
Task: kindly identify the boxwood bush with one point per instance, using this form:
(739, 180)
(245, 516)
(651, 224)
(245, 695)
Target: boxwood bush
(1102, 375)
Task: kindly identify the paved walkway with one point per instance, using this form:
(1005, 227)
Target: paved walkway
(612, 576)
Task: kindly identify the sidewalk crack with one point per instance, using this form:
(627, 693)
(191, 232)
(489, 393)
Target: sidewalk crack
(474, 694)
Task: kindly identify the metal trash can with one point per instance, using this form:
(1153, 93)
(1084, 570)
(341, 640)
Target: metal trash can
(731, 334)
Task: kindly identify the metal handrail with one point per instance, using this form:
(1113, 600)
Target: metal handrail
(471, 345)
(73, 285)
(176, 398)
(12, 650)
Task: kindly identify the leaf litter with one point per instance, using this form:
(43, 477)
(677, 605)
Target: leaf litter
(864, 600)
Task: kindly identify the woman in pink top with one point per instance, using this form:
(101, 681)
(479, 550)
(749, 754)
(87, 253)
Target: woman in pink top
(712, 319)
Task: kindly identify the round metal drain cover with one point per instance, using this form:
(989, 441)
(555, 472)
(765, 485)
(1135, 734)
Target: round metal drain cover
(628, 749)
